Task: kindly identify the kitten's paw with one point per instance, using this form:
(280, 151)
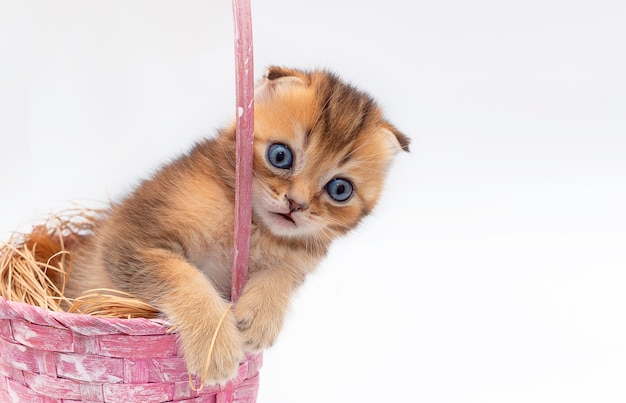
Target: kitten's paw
(258, 321)
(218, 364)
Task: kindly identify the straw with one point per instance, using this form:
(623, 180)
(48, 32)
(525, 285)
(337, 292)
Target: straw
(34, 268)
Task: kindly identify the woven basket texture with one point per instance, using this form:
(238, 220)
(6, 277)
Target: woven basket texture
(54, 357)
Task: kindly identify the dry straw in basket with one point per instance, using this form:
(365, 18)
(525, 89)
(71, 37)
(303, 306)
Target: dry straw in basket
(34, 269)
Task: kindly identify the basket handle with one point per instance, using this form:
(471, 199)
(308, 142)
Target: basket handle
(244, 82)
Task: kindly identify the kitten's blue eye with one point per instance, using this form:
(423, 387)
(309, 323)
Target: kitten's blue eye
(339, 189)
(280, 156)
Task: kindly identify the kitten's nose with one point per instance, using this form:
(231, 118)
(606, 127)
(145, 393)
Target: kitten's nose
(296, 205)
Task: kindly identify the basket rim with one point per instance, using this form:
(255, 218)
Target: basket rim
(82, 323)
(113, 330)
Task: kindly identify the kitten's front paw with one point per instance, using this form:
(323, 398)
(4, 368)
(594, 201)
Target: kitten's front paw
(223, 359)
(258, 321)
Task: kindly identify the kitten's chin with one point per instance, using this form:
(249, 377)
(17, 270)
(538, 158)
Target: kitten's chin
(286, 225)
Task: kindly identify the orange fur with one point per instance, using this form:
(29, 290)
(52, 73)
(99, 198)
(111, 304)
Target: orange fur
(170, 241)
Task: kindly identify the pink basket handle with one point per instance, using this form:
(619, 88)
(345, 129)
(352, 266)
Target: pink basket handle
(244, 81)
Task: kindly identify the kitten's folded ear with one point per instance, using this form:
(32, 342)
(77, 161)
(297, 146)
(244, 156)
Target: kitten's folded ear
(276, 72)
(396, 136)
(275, 78)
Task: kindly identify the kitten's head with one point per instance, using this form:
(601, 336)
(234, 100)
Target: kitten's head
(322, 149)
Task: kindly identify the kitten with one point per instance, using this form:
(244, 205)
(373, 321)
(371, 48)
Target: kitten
(321, 152)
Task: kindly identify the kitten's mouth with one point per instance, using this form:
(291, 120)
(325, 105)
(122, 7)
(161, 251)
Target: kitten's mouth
(286, 217)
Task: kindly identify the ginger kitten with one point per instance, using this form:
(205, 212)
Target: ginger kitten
(321, 152)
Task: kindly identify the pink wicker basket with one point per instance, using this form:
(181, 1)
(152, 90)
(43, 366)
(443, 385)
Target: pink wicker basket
(48, 357)
(58, 357)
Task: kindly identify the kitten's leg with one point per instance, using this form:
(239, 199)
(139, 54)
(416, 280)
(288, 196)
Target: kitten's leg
(192, 303)
(261, 308)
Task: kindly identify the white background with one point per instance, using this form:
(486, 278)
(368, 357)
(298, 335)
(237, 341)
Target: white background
(494, 269)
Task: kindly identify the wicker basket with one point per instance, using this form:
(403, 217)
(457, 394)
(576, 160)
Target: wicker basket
(48, 357)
